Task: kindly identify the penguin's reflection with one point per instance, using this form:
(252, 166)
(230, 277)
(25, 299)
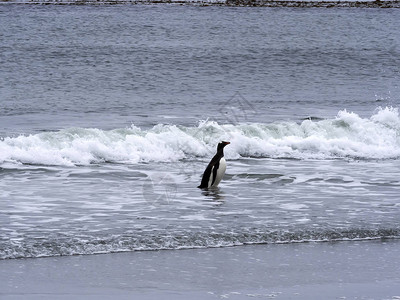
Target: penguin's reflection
(215, 195)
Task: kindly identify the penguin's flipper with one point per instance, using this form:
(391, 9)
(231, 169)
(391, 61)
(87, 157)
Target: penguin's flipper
(214, 173)
(206, 177)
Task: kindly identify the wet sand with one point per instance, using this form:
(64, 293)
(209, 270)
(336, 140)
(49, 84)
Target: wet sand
(340, 270)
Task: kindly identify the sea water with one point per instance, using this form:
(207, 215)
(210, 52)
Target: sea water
(110, 114)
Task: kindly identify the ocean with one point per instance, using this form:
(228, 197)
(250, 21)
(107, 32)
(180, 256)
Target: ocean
(110, 114)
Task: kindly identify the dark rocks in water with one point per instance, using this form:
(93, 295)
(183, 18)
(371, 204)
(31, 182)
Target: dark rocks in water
(312, 118)
(263, 3)
(326, 4)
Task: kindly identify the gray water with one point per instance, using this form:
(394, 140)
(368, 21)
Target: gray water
(109, 115)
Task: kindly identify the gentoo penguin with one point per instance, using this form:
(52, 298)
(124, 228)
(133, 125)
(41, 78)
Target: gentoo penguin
(215, 169)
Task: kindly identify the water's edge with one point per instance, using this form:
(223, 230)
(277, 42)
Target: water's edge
(119, 244)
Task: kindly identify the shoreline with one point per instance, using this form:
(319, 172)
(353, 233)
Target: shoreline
(228, 3)
(279, 271)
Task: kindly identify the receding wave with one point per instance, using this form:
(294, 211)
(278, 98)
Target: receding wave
(63, 246)
(346, 136)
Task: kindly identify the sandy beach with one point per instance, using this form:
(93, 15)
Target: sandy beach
(339, 270)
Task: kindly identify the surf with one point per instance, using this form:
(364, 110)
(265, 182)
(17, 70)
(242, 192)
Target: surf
(347, 135)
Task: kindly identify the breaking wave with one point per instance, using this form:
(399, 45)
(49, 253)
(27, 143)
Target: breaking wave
(346, 136)
(64, 246)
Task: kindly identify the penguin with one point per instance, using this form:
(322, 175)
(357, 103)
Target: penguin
(215, 169)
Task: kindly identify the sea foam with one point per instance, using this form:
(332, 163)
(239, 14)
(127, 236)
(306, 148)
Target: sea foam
(346, 136)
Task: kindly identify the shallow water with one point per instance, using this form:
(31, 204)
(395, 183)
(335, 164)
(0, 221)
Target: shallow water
(109, 116)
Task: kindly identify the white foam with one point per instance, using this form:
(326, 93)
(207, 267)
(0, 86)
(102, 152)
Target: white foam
(346, 136)
(293, 206)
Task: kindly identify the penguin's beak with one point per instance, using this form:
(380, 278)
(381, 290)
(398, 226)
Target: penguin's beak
(226, 143)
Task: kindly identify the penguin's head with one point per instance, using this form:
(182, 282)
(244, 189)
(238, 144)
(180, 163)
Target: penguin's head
(221, 145)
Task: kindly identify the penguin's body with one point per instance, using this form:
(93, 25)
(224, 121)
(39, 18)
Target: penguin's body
(215, 170)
